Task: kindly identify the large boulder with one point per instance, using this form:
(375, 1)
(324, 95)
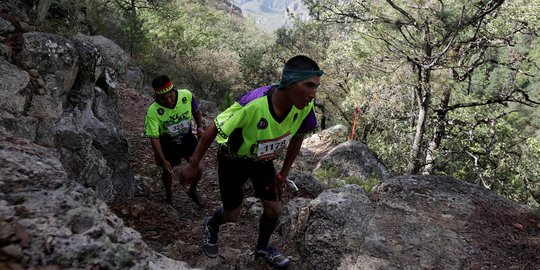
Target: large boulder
(317, 145)
(412, 222)
(320, 143)
(350, 162)
(134, 77)
(114, 57)
(48, 220)
(306, 183)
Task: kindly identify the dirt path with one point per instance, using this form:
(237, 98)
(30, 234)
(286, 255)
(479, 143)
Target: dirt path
(177, 231)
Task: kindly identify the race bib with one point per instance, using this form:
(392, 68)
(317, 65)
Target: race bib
(180, 128)
(270, 149)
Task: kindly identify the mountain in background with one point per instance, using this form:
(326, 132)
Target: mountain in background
(269, 15)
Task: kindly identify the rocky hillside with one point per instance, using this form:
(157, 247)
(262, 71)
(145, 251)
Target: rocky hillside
(62, 93)
(71, 150)
(48, 219)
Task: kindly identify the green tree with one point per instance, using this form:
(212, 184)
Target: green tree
(438, 47)
(205, 49)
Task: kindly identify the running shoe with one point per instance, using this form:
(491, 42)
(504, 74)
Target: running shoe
(272, 256)
(210, 240)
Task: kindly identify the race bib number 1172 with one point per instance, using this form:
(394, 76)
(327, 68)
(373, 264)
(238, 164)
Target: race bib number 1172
(270, 149)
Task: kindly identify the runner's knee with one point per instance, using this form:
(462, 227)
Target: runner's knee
(272, 209)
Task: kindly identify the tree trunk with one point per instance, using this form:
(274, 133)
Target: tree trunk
(133, 13)
(323, 113)
(424, 100)
(438, 133)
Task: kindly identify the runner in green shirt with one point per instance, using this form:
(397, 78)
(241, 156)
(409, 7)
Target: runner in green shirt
(168, 125)
(251, 133)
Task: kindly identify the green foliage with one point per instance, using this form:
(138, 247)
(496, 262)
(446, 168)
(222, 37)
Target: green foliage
(205, 49)
(327, 172)
(226, 102)
(132, 26)
(528, 172)
(387, 138)
(257, 68)
(332, 177)
(102, 17)
(535, 211)
(479, 72)
(66, 17)
(367, 185)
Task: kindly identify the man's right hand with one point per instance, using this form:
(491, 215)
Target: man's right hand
(160, 158)
(189, 173)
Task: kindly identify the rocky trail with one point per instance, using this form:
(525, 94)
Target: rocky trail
(177, 231)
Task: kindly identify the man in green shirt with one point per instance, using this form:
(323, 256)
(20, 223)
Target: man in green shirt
(251, 133)
(168, 125)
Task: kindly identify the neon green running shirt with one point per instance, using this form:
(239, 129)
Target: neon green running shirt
(248, 129)
(172, 123)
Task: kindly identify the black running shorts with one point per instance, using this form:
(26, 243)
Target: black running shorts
(233, 173)
(174, 152)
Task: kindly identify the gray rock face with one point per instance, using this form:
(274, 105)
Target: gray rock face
(352, 160)
(5, 52)
(320, 143)
(289, 216)
(208, 107)
(14, 85)
(47, 219)
(6, 27)
(407, 222)
(14, 11)
(21, 126)
(71, 104)
(134, 77)
(113, 55)
(55, 58)
(317, 145)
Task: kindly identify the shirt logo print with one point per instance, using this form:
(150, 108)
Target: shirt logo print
(262, 124)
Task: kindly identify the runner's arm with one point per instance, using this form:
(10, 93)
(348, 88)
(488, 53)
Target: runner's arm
(279, 179)
(205, 142)
(156, 145)
(197, 116)
(192, 169)
(292, 152)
